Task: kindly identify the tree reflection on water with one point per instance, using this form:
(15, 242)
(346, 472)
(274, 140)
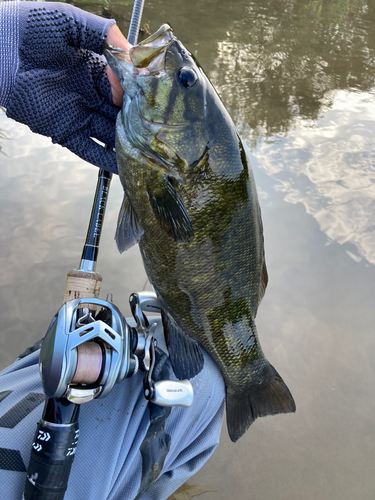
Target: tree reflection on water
(298, 79)
(283, 59)
(273, 61)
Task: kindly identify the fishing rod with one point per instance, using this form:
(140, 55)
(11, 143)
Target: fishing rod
(56, 437)
(88, 348)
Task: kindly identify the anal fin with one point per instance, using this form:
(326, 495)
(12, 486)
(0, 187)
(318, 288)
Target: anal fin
(185, 354)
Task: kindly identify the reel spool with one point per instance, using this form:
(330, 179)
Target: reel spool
(89, 347)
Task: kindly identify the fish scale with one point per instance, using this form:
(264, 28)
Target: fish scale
(190, 202)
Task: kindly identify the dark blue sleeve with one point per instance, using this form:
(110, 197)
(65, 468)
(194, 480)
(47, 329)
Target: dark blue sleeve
(9, 37)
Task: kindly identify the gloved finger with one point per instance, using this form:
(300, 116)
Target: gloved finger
(88, 31)
(89, 150)
(66, 22)
(108, 109)
(103, 129)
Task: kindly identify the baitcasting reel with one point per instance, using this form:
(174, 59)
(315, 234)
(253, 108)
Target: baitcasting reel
(89, 347)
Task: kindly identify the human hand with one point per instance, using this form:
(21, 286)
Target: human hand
(117, 39)
(61, 89)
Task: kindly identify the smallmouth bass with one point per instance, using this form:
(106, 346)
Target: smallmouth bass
(190, 202)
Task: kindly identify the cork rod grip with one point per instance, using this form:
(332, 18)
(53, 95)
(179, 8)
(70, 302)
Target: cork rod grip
(82, 284)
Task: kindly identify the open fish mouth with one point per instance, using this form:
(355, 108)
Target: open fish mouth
(144, 59)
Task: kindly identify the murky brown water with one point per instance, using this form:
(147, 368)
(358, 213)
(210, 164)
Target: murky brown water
(298, 78)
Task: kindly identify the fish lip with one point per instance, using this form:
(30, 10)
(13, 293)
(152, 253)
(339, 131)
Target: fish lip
(152, 51)
(145, 58)
(119, 60)
(144, 53)
(134, 61)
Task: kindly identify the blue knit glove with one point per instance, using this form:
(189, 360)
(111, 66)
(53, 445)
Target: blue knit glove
(61, 88)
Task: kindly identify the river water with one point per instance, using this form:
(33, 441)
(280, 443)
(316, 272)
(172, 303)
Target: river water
(298, 79)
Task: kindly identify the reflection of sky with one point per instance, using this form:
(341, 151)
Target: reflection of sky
(329, 167)
(45, 205)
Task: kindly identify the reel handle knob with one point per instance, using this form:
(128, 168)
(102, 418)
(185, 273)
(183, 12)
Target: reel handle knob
(173, 393)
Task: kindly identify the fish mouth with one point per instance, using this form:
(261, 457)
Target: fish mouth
(144, 59)
(148, 52)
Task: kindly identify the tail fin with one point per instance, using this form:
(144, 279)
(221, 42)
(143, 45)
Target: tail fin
(259, 400)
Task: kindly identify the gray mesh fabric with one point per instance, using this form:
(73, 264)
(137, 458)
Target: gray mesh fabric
(108, 462)
(61, 88)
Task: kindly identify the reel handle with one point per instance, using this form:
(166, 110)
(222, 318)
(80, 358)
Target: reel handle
(173, 393)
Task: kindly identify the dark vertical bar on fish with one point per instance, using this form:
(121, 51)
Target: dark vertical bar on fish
(135, 21)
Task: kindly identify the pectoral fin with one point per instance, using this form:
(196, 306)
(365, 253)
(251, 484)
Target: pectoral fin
(185, 354)
(129, 231)
(170, 210)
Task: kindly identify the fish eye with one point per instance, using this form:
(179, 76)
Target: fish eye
(187, 76)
